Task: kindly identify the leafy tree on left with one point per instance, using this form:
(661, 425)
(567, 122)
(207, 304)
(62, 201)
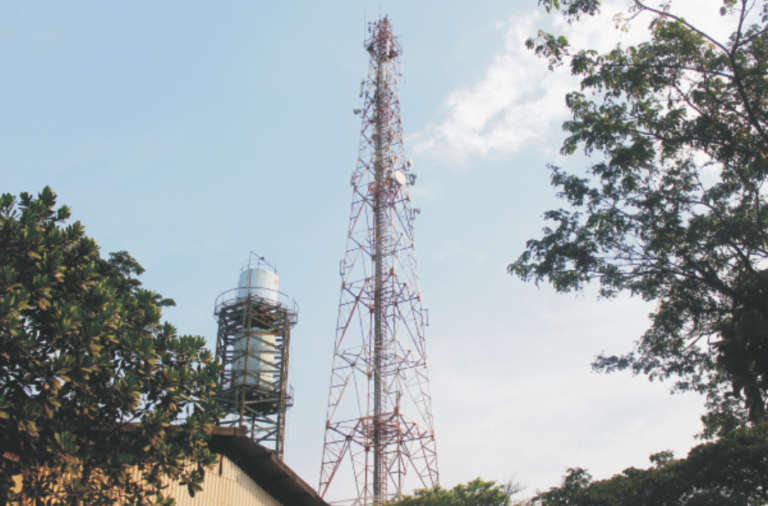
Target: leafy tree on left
(91, 382)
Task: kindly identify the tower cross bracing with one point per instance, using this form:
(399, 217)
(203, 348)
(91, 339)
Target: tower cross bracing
(380, 428)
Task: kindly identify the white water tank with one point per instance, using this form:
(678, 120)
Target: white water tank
(255, 354)
(259, 283)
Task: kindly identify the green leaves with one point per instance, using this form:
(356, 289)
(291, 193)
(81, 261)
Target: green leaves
(728, 472)
(572, 9)
(554, 49)
(672, 207)
(91, 382)
(475, 493)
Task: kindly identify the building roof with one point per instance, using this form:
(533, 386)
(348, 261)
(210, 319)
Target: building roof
(259, 463)
(269, 472)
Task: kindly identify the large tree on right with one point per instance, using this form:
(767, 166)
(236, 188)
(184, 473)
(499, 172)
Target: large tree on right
(672, 207)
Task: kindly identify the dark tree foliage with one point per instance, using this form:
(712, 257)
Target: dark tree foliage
(572, 10)
(475, 493)
(673, 207)
(91, 382)
(730, 472)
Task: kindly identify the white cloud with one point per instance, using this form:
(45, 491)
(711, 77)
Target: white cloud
(512, 106)
(518, 104)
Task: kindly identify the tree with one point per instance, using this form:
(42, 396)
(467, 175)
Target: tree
(475, 493)
(91, 383)
(731, 471)
(673, 208)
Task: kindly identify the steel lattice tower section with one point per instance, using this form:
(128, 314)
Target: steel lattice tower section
(380, 407)
(252, 345)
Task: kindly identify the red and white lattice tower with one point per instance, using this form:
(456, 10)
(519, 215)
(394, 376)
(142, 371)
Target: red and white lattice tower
(380, 428)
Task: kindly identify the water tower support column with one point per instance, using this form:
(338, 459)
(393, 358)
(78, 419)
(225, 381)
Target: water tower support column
(253, 345)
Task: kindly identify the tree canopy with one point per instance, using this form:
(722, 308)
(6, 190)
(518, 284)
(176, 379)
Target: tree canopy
(91, 382)
(729, 472)
(475, 493)
(672, 207)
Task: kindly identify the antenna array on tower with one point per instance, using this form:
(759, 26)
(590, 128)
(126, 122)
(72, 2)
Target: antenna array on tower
(380, 429)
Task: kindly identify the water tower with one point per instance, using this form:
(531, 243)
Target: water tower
(253, 345)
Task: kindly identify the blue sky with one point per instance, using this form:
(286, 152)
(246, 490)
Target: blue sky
(190, 133)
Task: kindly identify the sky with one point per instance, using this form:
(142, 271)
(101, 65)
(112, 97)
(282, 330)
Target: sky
(190, 133)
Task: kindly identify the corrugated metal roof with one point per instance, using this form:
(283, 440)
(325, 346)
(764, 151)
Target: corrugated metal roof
(225, 485)
(264, 468)
(249, 475)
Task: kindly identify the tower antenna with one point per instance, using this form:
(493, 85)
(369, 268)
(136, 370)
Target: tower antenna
(380, 429)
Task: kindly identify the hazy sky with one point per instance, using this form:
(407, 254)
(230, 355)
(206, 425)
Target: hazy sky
(190, 133)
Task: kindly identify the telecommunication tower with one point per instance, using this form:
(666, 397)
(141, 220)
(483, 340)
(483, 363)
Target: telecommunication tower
(379, 428)
(253, 344)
